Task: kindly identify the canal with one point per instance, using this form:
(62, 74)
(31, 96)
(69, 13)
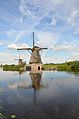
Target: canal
(42, 95)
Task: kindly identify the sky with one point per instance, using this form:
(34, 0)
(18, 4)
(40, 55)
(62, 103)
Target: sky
(55, 23)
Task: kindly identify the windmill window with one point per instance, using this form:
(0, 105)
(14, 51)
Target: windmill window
(28, 68)
(38, 68)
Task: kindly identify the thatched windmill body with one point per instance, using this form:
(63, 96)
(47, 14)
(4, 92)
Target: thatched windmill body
(35, 62)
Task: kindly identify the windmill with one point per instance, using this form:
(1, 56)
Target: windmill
(20, 61)
(35, 59)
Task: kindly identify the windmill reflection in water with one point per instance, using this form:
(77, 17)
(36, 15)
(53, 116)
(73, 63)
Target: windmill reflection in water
(36, 84)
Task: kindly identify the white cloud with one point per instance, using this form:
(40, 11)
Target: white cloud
(47, 39)
(63, 13)
(60, 59)
(73, 17)
(15, 35)
(73, 57)
(12, 34)
(12, 46)
(38, 8)
(20, 35)
(53, 41)
(53, 59)
(66, 46)
(76, 32)
(64, 10)
(7, 58)
(15, 46)
(54, 21)
(63, 47)
(1, 44)
(24, 8)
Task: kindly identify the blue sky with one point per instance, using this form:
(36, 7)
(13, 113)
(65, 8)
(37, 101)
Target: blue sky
(55, 23)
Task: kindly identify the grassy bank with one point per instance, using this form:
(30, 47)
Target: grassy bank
(50, 66)
(68, 66)
(13, 67)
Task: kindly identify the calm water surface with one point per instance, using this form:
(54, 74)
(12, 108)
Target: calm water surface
(46, 95)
